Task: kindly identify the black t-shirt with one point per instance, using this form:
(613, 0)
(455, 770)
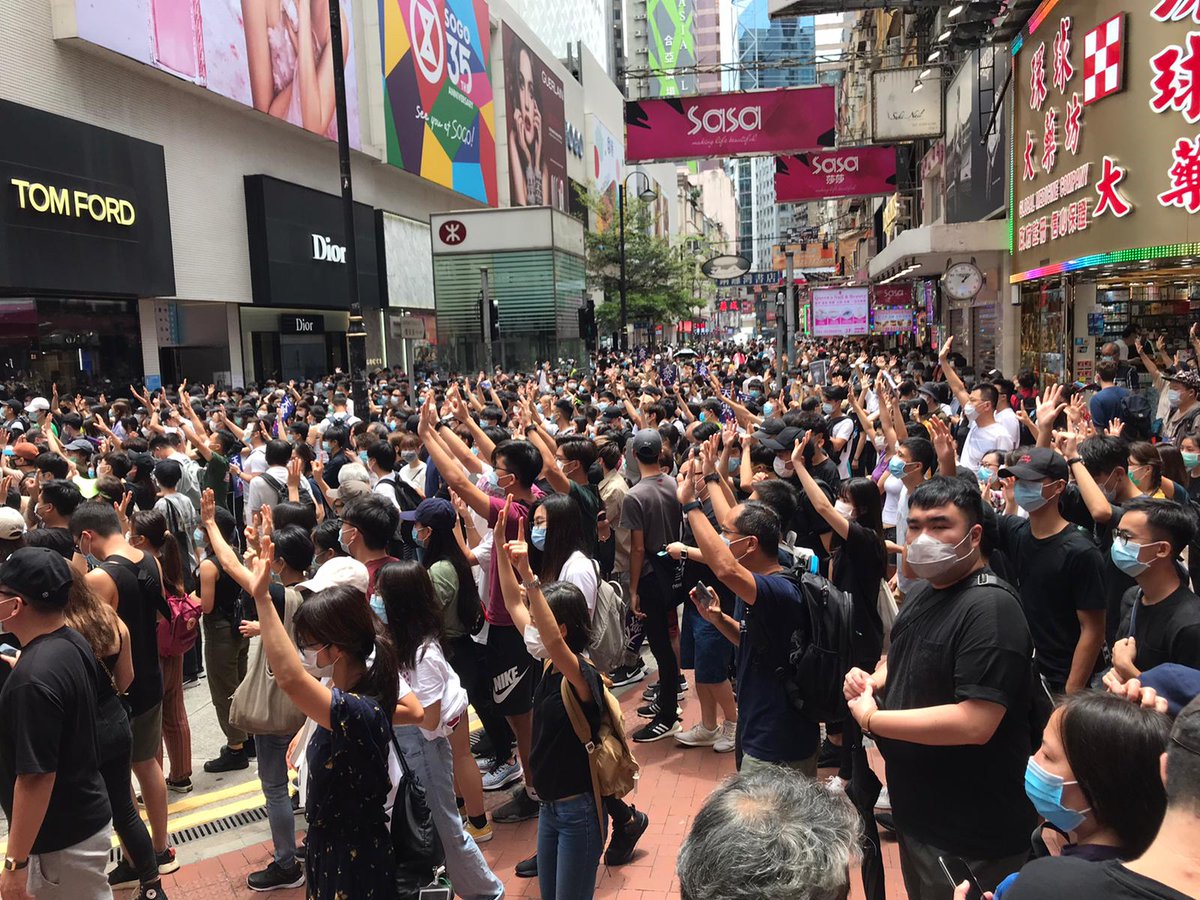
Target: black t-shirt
(139, 602)
(964, 642)
(1165, 632)
(1116, 582)
(808, 524)
(558, 762)
(1059, 576)
(48, 724)
(1065, 876)
(859, 565)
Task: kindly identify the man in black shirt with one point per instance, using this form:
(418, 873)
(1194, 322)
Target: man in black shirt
(1160, 620)
(1167, 870)
(1059, 568)
(950, 707)
(50, 784)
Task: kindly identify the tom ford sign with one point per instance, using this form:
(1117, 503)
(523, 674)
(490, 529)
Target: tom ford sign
(82, 209)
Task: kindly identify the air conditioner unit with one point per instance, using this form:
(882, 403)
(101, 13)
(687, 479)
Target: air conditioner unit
(640, 17)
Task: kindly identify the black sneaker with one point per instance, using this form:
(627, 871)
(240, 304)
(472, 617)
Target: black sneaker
(830, 756)
(620, 848)
(150, 892)
(167, 863)
(251, 752)
(301, 851)
(527, 868)
(228, 761)
(123, 876)
(651, 711)
(656, 731)
(481, 744)
(885, 821)
(520, 808)
(275, 878)
(623, 675)
(182, 786)
(651, 691)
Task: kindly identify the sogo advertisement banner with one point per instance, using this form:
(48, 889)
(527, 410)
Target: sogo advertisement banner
(855, 172)
(745, 123)
(839, 312)
(1106, 141)
(438, 93)
(220, 46)
(537, 122)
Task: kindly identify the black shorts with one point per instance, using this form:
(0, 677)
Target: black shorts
(513, 672)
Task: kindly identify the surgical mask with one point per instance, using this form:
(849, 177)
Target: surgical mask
(1173, 398)
(418, 540)
(880, 442)
(362, 457)
(308, 659)
(985, 475)
(1028, 495)
(971, 412)
(1045, 791)
(378, 607)
(846, 509)
(1190, 460)
(783, 467)
(198, 537)
(602, 405)
(827, 408)
(409, 456)
(391, 426)
(928, 557)
(729, 542)
(768, 408)
(326, 446)
(91, 472)
(537, 536)
(533, 643)
(342, 542)
(1125, 555)
(896, 467)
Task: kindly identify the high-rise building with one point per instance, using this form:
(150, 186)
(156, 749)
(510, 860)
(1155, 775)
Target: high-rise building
(674, 47)
(560, 25)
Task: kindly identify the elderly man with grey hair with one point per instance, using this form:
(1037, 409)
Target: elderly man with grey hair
(770, 835)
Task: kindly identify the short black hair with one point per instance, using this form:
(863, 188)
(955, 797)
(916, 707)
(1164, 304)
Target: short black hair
(1167, 519)
(1103, 453)
(277, 452)
(98, 517)
(780, 496)
(988, 392)
(1183, 761)
(63, 495)
(168, 473)
(522, 459)
(383, 454)
(921, 451)
(609, 452)
(158, 442)
(569, 606)
(756, 519)
(375, 518)
(294, 546)
(338, 435)
(578, 449)
(57, 466)
(942, 491)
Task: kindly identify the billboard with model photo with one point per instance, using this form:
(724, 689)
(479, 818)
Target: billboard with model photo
(273, 55)
(976, 164)
(537, 147)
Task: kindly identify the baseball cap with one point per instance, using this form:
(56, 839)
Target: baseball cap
(647, 445)
(12, 524)
(768, 429)
(81, 445)
(349, 490)
(38, 574)
(37, 404)
(338, 571)
(1037, 463)
(433, 512)
(1188, 378)
(783, 441)
(26, 450)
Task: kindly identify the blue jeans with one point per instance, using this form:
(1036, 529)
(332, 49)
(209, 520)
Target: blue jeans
(273, 773)
(568, 848)
(433, 763)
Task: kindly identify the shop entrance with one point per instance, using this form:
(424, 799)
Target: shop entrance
(299, 356)
(70, 341)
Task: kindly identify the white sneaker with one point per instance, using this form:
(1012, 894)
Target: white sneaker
(728, 739)
(884, 803)
(698, 736)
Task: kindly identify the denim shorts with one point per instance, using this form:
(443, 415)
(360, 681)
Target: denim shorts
(703, 648)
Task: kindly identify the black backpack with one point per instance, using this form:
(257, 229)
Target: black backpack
(402, 545)
(848, 450)
(813, 660)
(1137, 415)
(281, 491)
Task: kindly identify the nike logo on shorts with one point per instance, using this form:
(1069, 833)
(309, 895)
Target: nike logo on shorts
(504, 683)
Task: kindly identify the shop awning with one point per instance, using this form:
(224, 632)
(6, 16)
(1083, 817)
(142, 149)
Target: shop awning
(923, 251)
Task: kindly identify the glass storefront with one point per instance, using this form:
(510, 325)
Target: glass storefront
(1043, 329)
(70, 341)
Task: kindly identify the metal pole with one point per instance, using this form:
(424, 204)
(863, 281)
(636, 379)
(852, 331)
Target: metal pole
(487, 322)
(791, 313)
(624, 303)
(356, 340)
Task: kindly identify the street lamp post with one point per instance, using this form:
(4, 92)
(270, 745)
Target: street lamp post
(647, 195)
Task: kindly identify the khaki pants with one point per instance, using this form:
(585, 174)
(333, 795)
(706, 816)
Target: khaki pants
(73, 873)
(803, 766)
(225, 655)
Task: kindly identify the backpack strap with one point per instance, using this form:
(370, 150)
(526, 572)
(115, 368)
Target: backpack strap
(274, 485)
(583, 731)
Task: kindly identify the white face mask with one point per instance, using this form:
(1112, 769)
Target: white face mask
(533, 643)
(846, 509)
(308, 659)
(783, 467)
(928, 557)
(971, 412)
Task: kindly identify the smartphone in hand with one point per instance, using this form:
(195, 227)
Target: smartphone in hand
(957, 871)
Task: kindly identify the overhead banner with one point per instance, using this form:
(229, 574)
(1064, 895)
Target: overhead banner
(252, 59)
(840, 312)
(537, 122)
(671, 54)
(438, 93)
(744, 123)
(898, 294)
(855, 172)
(906, 106)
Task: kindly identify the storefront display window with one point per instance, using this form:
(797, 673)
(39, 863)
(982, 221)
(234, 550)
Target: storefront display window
(70, 341)
(1042, 333)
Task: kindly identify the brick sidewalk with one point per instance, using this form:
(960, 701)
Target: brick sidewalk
(675, 782)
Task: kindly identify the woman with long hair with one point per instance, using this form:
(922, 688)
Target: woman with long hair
(1145, 469)
(109, 639)
(148, 532)
(406, 602)
(341, 673)
(558, 546)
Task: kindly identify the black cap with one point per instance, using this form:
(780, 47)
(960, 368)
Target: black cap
(768, 429)
(1037, 463)
(782, 442)
(38, 574)
(647, 445)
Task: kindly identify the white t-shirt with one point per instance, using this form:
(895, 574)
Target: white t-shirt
(891, 500)
(434, 680)
(1008, 418)
(844, 430)
(578, 570)
(414, 477)
(256, 462)
(383, 487)
(902, 538)
(981, 440)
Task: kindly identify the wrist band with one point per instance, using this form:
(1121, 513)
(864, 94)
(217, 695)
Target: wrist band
(712, 479)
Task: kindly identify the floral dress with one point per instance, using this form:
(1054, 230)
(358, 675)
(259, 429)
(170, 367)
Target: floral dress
(349, 846)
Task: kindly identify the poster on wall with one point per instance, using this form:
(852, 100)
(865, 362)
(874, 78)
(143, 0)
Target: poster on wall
(438, 93)
(838, 312)
(854, 172)
(606, 171)
(905, 105)
(976, 165)
(537, 147)
(891, 321)
(898, 294)
(244, 51)
(672, 51)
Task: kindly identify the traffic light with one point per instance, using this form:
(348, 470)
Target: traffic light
(494, 320)
(490, 317)
(587, 324)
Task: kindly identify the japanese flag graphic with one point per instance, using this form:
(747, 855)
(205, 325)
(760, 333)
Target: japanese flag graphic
(1104, 60)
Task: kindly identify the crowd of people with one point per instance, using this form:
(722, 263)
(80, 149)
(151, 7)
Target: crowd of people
(877, 563)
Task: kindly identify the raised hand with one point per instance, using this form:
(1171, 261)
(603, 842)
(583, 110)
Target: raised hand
(1051, 404)
(208, 507)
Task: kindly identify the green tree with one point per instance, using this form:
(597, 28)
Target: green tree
(663, 280)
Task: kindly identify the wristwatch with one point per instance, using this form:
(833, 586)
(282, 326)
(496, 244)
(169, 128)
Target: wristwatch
(534, 582)
(11, 865)
(695, 504)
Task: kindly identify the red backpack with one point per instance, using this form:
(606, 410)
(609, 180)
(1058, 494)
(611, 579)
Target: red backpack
(177, 635)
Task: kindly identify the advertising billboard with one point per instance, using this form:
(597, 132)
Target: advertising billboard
(839, 312)
(855, 172)
(743, 123)
(898, 294)
(672, 47)
(244, 51)
(976, 164)
(891, 321)
(438, 93)
(606, 170)
(537, 121)
(905, 106)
